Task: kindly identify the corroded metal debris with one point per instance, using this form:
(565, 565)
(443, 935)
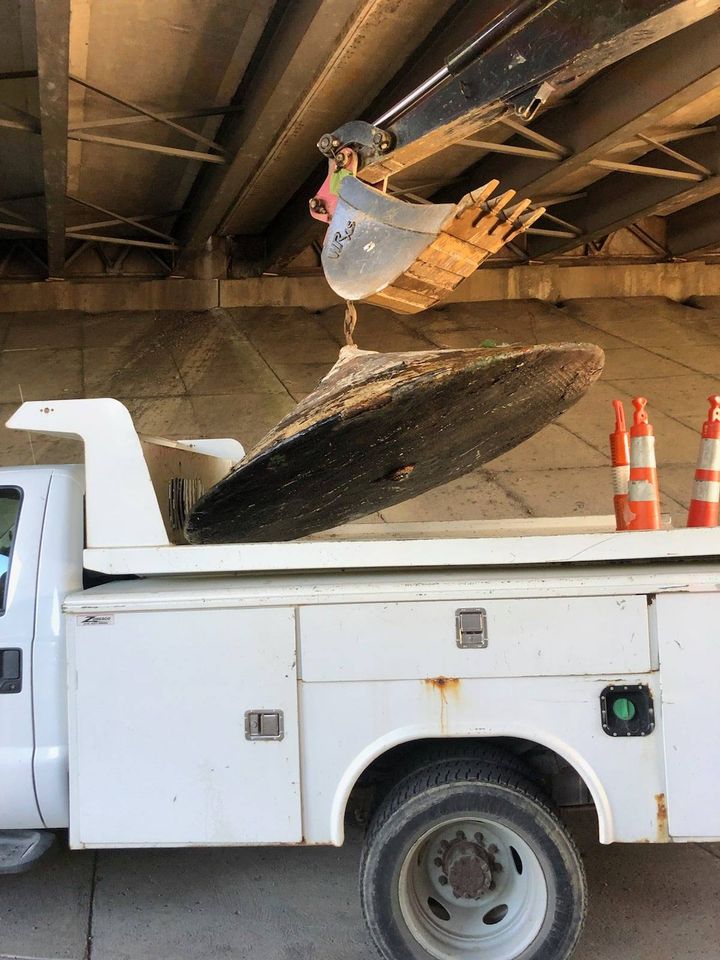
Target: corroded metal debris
(381, 428)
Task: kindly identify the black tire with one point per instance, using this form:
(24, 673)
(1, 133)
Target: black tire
(428, 754)
(443, 751)
(449, 791)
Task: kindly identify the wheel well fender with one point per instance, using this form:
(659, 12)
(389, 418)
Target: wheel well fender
(411, 736)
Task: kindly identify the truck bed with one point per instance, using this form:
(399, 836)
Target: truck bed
(379, 546)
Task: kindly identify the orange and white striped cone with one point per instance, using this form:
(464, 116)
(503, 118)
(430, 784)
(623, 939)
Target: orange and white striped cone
(643, 491)
(703, 510)
(620, 458)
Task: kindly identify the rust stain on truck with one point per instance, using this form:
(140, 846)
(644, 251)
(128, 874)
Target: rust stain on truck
(443, 684)
(663, 835)
(445, 687)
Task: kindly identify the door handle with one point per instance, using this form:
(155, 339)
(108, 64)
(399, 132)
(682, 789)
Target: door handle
(10, 670)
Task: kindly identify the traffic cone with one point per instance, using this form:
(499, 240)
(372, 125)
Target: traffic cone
(703, 510)
(643, 491)
(620, 458)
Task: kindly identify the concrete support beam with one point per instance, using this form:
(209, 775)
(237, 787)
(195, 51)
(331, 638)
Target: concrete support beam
(52, 24)
(550, 282)
(105, 296)
(335, 43)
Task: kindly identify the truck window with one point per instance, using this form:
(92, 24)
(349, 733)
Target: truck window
(9, 511)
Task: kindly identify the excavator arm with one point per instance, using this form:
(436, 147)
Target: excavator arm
(407, 256)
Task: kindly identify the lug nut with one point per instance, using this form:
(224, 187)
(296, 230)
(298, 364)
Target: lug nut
(442, 881)
(460, 835)
(479, 837)
(437, 861)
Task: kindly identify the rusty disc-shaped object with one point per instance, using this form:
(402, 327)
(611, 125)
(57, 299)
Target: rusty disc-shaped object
(381, 428)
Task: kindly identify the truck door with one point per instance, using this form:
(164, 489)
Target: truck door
(688, 627)
(22, 508)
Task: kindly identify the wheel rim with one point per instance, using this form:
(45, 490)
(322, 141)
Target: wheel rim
(473, 888)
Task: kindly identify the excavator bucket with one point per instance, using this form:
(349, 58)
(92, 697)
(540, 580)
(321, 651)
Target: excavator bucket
(405, 256)
(383, 427)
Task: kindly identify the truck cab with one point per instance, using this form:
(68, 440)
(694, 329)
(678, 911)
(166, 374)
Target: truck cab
(41, 543)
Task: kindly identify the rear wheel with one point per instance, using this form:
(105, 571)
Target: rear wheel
(466, 860)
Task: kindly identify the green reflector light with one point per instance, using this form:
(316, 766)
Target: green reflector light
(623, 708)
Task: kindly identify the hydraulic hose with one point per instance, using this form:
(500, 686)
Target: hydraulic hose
(498, 28)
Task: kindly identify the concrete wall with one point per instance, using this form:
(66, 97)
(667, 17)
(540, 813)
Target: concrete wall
(550, 282)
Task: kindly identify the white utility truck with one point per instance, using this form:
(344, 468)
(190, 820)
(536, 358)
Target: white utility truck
(463, 683)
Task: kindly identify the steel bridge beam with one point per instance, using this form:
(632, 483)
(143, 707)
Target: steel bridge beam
(291, 229)
(635, 96)
(621, 107)
(695, 229)
(631, 97)
(52, 25)
(334, 42)
(558, 47)
(622, 198)
(18, 75)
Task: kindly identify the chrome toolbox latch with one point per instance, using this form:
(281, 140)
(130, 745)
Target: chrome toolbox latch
(264, 725)
(471, 629)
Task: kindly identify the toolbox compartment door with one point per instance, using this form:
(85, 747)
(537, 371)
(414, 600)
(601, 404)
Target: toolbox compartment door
(159, 750)
(688, 626)
(550, 636)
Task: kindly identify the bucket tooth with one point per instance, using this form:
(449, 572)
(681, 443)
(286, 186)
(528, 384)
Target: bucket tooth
(406, 257)
(502, 201)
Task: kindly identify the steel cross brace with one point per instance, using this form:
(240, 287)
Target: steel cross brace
(163, 118)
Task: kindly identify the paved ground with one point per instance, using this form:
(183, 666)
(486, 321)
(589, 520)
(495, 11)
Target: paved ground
(235, 373)
(647, 903)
